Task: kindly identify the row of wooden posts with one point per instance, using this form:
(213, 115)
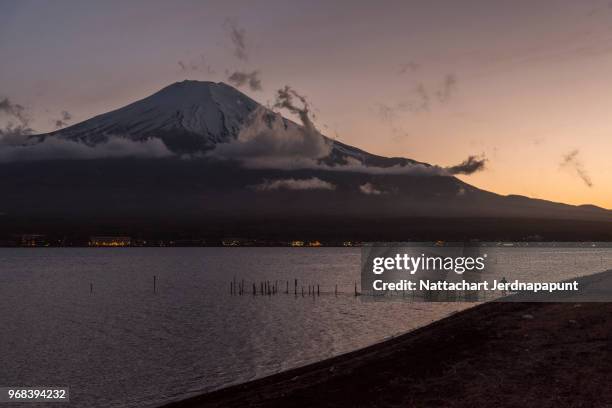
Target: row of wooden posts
(270, 288)
(264, 288)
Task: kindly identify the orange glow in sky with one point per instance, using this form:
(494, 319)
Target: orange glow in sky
(523, 83)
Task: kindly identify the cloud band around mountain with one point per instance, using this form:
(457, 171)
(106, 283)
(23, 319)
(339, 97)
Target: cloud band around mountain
(313, 183)
(62, 149)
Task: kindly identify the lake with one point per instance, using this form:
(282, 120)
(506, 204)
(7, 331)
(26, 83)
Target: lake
(88, 318)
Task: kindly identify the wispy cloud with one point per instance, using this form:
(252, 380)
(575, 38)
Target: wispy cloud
(17, 123)
(267, 140)
(572, 161)
(313, 183)
(270, 141)
(196, 65)
(419, 101)
(251, 79)
(53, 148)
(470, 165)
(238, 38)
(446, 90)
(410, 67)
(65, 117)
(369, 189)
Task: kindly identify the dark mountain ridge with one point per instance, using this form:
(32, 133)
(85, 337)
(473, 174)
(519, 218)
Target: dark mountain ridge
(202, 190)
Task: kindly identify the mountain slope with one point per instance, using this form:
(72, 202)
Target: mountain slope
(195, 118)
(188, 116)
(192, 116)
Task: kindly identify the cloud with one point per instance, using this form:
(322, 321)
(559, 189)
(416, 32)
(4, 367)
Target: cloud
(53, 148)
(572, 161)
(17, 142)
(447, 89)
(419, 101)
(353, 165)
(63, 120)
(13, 110)
(422, 103)
(387, 113)
(270, 141)
(313, 183)
(285, 98)
(411, 66)
(18, 121)
(198, 65)
(469, 166)
(12, 132)
(369, 189)
(267, 140)
(239, 78)
(238, 38)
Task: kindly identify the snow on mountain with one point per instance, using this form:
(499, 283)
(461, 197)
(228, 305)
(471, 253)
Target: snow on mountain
(202, 113)
(191, 116)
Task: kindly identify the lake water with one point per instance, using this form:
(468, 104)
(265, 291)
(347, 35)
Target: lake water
(125, 346)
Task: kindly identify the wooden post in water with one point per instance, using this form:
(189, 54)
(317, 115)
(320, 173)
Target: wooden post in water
(91, 288)
(254, 290)
(355, 288)
(302, 291)
(336, 290)
(295, 287)
(287, 291)
(318, 293)
(154, 283)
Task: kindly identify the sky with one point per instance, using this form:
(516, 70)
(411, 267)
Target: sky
(525, 84)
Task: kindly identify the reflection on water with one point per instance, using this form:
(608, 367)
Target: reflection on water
(125, 346)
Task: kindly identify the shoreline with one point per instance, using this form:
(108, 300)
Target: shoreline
(493, 354)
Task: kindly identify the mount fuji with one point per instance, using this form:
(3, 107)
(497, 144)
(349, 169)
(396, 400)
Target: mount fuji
(342, 193)
(193, 116)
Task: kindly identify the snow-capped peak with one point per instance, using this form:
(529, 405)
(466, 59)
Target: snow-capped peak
(208, 111)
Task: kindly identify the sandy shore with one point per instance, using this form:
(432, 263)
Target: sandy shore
(493, 355)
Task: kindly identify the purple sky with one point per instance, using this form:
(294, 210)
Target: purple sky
(523, 82)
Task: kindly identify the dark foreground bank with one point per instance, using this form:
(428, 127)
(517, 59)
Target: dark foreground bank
(496, 354)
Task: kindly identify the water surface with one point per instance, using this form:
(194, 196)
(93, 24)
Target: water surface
(125, 346)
